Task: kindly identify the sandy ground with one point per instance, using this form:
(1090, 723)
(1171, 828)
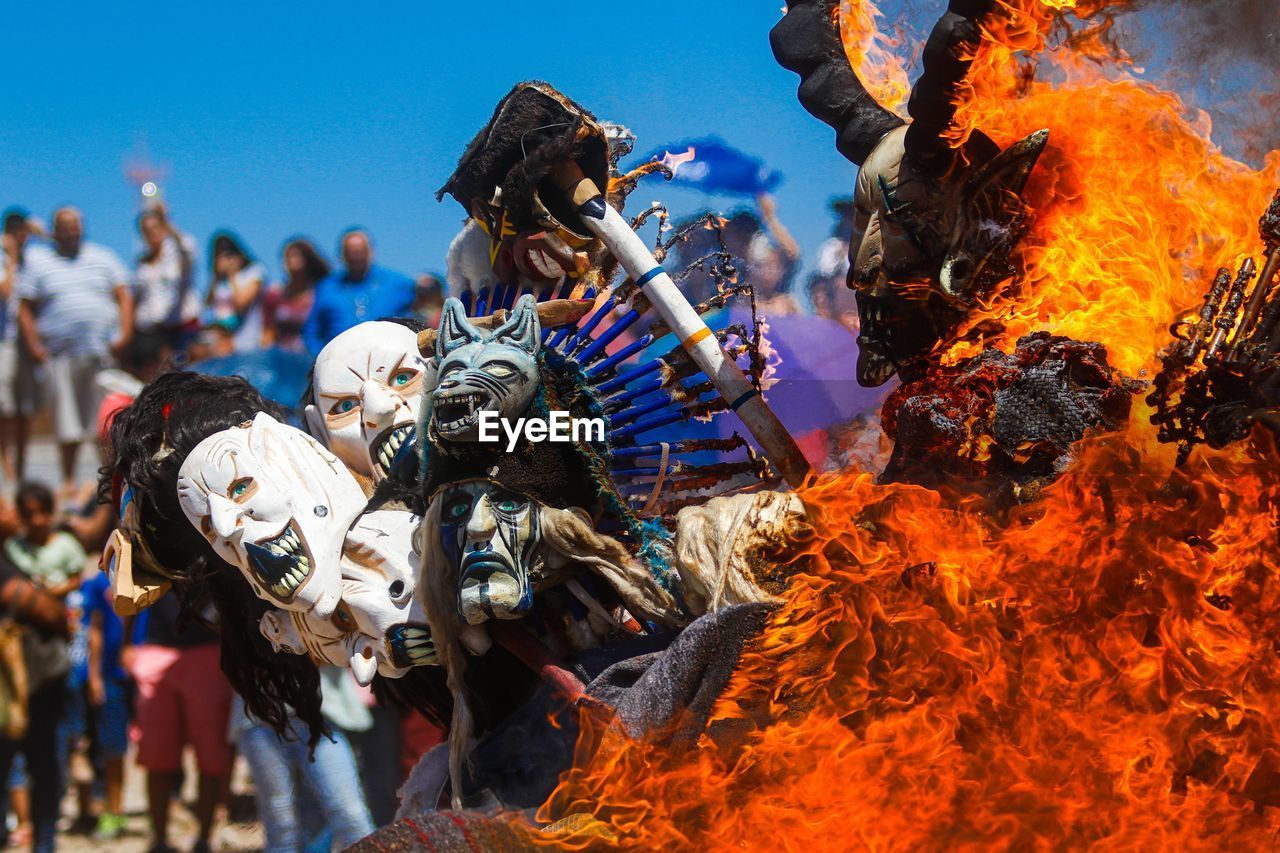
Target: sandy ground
(240, 833)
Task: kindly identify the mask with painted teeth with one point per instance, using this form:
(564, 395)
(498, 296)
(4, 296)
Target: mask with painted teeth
(497, 372)
(366, 394)
(275, 504)
(379, 577)
(389, 446)
(379, 626)
(411, 645)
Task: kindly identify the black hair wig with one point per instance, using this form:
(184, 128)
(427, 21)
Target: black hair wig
(149, 440)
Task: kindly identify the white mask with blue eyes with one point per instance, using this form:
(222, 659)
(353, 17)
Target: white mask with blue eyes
(274, 503)
(367, 390)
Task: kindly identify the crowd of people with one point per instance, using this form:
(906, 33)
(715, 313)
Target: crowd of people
(70, 309)
(80, 687)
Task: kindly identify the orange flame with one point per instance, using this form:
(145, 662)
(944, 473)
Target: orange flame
(1098, 669)
(871, 54)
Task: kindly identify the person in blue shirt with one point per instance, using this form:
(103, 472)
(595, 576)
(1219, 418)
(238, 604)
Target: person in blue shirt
(359, 292)
(109, 694)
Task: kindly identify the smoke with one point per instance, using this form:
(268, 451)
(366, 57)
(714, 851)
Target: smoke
(1221, 56)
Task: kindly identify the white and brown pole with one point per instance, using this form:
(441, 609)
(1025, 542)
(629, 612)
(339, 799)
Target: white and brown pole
(685, 323)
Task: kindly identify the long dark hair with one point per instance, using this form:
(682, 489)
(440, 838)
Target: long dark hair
(149, 440)
(224, 241)
(315, 267)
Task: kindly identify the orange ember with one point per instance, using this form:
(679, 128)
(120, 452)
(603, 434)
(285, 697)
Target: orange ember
(1099, 668)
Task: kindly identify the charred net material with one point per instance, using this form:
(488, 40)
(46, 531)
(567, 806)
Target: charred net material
(1005, 425)
(1221, 375)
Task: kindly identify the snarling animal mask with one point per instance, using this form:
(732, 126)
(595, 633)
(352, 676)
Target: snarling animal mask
(478, 372)
(274, 503)
(490, 537)
(935, 224)
(379, 626)
(367, 391)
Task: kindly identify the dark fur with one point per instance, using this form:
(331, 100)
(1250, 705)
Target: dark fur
(529, 133)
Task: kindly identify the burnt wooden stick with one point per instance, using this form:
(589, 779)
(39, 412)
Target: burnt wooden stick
(1231, 311)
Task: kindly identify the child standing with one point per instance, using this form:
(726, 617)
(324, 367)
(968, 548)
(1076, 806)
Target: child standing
(51, 558)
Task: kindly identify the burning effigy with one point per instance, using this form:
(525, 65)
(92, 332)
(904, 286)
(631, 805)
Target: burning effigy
(1048, 621)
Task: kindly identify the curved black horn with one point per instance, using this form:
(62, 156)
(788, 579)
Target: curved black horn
(946, 60)
(807, 41)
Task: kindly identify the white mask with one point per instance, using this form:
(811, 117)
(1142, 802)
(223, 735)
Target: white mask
(379, 627)
(368, 384)
(277, 505)
(379, 575)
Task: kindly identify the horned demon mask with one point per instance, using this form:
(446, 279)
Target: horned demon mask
(379, 626)
(934, 224)
(367, 390)
(497, 372)
(274, 503)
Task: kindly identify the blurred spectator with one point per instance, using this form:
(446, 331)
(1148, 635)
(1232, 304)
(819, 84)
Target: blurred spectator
(428, 299)
(770, 274)
(331, 776)
(287, 305)
(51, 558)
(362, 291)
(18, 229)
(166, 297)
(738, 231)
(828, 293)
(76, 309)
(773, 256)
(699, 242)
(46, 663)
(183, 698)
(109, 698)
(833, 254)
(830, 298)
(233, 304)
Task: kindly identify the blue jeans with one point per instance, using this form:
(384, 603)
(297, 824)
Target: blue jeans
(275, 764)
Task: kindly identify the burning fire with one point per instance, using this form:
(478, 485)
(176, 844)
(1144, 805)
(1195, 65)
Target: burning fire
(1098, 668)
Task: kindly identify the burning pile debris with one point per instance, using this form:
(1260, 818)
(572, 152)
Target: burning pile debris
(1222, 375)
(1004, 425)
(1096, 666)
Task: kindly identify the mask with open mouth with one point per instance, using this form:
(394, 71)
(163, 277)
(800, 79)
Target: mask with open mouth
(490, 536)
(367, 390)
(379, 574)
(497, 372)
(379, 626)
(277, 505)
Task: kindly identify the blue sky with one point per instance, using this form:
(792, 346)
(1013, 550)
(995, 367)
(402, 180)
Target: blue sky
(284, 118)
(288, 117)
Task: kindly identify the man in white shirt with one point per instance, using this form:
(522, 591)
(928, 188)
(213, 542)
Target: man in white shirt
(75, 310)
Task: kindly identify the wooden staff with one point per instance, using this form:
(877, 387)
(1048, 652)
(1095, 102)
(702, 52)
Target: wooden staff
(688, 326)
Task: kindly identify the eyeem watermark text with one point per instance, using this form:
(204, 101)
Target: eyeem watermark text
(557, 426)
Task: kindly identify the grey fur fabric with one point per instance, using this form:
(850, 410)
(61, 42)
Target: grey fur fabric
(657, 688)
